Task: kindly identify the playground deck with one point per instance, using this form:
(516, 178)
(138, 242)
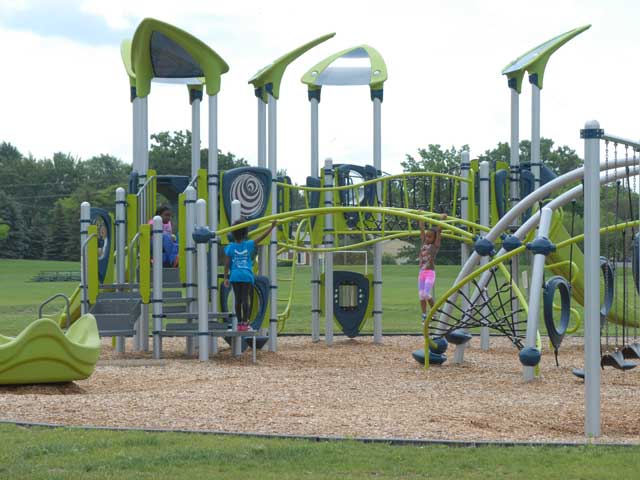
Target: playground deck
(354, 388)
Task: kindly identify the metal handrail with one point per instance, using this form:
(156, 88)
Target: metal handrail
(622, 141)
(50, 299)
(144, 212)
(135, 239)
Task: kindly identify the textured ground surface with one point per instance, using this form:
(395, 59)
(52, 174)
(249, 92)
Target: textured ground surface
(354, 388)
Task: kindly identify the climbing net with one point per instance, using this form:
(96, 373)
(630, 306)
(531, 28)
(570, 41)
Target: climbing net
(496, 304)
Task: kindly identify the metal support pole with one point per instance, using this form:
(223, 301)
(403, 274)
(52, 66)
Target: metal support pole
(203, 294)
(190, 254)
(591, 136)
(144, 142)
(514, 193)
(536, 161)
(273, 244)
(136, 134)
(484, 220)
(156, 242)
(514, 167)
(263, 250)
(195, 137)
(465, 168)
(328, 256)
(535, 289)
(236, 342)
(213, 202)
(377, 248)
(121, 241)
(315, 259)
(85, 221)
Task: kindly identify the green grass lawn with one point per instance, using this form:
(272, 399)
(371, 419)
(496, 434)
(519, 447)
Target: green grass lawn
(39, 453)
(20, 298)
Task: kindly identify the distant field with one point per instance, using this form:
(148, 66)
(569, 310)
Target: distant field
(20, 297)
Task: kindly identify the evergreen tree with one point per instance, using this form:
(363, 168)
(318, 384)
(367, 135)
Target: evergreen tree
(59, 234)
(15, 243)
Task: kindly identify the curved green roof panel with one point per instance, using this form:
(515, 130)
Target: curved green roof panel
(272, 73)
(349, 69)
(160, 50)
(535, 60)
(125, 54)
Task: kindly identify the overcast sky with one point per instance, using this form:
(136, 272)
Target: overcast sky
(63, 87)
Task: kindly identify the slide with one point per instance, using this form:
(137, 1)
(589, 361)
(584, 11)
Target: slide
(559, 261)
(43, 353)
(74, 309)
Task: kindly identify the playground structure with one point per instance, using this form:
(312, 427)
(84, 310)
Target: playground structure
(344, 206)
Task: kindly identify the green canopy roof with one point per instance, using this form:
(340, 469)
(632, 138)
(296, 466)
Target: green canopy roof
(125, 54)
(272, 73)
(535, 60)
(374, 73)
(160, 50)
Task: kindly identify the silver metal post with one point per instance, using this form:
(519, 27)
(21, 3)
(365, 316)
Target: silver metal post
(195, 137)
(203, 294)
(273, 244)
(136, 134)
(144, 142)
(328, 256)
(515, 148)
(190, 256)
(236, 342)
(213, 200)
(465, 168)
(514, 193)
(592, 278)
(121, 241)
(85, 221)
(535, 135)
(484, 220)
(156, 242)
(535, 289)
(263, 250)
(377, 248)
(314, 257)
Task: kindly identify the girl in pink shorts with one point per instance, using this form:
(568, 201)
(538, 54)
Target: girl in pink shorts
(430, 244)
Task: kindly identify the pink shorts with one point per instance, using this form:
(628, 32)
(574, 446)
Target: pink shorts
(426, 280)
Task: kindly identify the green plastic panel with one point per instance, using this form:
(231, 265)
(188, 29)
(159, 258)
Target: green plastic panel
(125, 54)
(42, 353)
(212, 64)
(272, 73)
(535, 60)
(378, 70)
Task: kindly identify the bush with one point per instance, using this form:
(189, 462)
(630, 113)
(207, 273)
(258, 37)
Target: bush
(388, 259)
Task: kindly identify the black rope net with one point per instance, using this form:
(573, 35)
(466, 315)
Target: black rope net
(495, 306)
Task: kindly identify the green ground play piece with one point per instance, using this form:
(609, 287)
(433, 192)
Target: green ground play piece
(43, 353)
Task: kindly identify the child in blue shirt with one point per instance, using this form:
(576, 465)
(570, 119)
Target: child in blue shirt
(239, 260)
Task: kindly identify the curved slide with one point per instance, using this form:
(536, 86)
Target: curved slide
(43, 353)
(558, 263)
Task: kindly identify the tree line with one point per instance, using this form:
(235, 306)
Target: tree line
(40, 197)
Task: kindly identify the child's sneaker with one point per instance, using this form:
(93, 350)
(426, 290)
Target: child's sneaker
(424, 318)
(243, 327)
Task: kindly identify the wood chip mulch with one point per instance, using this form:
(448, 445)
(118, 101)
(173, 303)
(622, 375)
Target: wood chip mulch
(354, 388)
